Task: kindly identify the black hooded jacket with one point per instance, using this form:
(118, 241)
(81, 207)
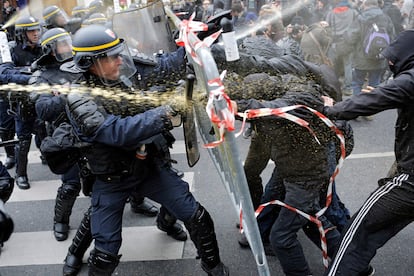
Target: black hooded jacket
(396, 93)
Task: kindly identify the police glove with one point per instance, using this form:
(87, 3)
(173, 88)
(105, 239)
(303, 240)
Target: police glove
(173, 116)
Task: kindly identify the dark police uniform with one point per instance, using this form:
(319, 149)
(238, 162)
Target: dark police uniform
(23, 55)
(50, 109)
(112, 157)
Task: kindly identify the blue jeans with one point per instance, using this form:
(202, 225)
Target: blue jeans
(336, 213)
(358, 79)
(283, 236)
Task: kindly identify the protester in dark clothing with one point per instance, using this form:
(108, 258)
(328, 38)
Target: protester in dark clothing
(390, 207)
(302, 165)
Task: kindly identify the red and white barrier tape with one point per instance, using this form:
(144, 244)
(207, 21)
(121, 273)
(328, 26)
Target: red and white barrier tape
(187, 26)
(226, 118)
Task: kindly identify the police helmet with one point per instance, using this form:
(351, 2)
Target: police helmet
(79, 12)
(94, 43)
(54, 17)
(57, 42)
(96, 6)
(24, 24)
(95, 18)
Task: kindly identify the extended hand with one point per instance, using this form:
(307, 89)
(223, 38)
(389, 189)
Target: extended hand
(328, 101)
(367, 89)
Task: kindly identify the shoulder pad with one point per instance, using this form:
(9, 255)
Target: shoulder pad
(71, 67)
(85, 113)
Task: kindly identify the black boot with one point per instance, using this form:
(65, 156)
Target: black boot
(80, 243)
(65, 199)
(102, 263)
(22, 182)
(168, 223)
(22, 149)
(201, 229)
(218, 270)
(141, 206)
(10, 151)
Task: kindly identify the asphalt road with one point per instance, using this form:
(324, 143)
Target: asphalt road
(32, 249)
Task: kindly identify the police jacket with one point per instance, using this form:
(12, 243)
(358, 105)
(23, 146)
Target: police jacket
(12, 74)
(115, 139)
(396, 93)
(23, 55)
(47, 70)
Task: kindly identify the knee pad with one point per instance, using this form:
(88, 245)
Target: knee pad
(69, 190)
(201, 229)
(102, 263)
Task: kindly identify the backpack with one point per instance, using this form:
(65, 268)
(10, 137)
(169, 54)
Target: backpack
(375, 40)
(61, 150)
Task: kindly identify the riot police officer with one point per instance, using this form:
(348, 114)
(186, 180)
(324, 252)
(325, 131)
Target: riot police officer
(96, 6)
(27, 49)
(80, 12)
(95, 18)
(112, 158)
(54, 17)
(57, 49)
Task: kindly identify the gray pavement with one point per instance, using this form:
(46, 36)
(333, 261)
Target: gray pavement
(32, 249)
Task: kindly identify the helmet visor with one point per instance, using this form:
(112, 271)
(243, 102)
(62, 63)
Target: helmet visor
(114, 65)
(57, 18)
(62, 48)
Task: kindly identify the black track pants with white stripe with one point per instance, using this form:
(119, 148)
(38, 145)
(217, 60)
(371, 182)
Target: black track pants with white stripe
(386, 212)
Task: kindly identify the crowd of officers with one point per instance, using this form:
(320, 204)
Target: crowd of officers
(42, 53)
(126, 158)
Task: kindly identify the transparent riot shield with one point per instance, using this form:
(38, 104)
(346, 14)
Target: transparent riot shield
(225, 155)
(146, 29)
